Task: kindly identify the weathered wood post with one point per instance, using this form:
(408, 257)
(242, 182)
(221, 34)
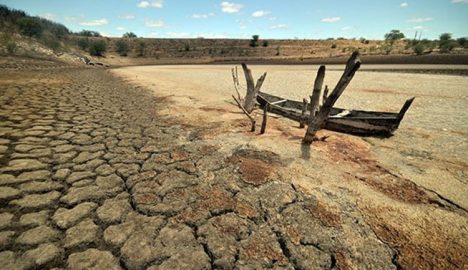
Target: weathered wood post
(317, 122)
(265, 117)
(252, 89)
(316, 93)
(325, 94)
(252, 120)
(303, 113)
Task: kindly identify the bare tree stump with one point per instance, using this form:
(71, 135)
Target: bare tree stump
(252, 89)
(318, 121)
(304, 110)
(252, 120)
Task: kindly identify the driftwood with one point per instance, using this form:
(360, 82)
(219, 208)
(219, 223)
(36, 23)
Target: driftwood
(252, 89)
(318, 121)
(265, 117)
(252, 120)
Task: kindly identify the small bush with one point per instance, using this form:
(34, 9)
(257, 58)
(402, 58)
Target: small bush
(30, 27)
(9, 43)
(121, 47)
(51, 42)
(83, 43)
(254, 41)
(265, 43)
(88, 33)
(447, 46)
(333, 46)
(419, 49)
(462, 42)
(141, 49)
(187, 47)
(97, 48)
(129, 35)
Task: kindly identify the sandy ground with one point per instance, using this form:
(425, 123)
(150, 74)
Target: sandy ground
(411, 188)
(430, 145)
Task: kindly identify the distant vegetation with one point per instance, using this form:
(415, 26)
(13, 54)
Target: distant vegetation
(129, 35)
(18, 29)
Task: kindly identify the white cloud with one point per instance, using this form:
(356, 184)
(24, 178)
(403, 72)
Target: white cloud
(121, 29)
(404, 4)
(260, 13)
(202, 16)
(48, 16)
(420, 20)
(99, 22)
(153, 3)
(279, 26)
(228, 7)
(155, 24)
(127, 17)
(272, 18)
(419, 27)
(460, 1)
(152, 34)
(331, 19)
(347, 28)
(243, 27)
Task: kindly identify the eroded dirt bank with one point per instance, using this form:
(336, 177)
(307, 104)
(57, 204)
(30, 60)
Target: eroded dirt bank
(97, 172)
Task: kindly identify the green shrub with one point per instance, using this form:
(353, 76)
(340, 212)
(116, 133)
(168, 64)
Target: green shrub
(88, 33)
(121, 47)
(83, 43)
(462, 42)
(393, 36)
(141, 49)
(334, 46)
(8, 42)
(447, 46)
(418, 49)
(254, 41)
(97, 48)
(30, 27)
(51, 42)
(129, 35)
(265, 43)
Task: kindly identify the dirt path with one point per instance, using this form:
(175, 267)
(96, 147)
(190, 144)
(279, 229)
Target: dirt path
(98, 174)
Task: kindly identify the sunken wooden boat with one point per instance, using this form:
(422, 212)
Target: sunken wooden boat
(363, 123)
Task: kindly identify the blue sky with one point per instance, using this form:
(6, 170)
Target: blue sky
(311, 19)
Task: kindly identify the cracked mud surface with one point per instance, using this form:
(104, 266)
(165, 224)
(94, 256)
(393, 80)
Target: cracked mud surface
(93, 176)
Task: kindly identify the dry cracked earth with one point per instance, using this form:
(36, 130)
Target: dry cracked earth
(92, 177)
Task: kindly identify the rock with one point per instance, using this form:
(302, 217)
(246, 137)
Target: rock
(63, 148)
(116, 235)
(138, 251)
(38, 218)
(6, 220)
(18, 165)
(76, 176)
(37, 187)
(6, 179)
(127, 169)
(38, 235)
(86, 156)
(90, 193)
(108, 182)
(93, 259)
(113, 211)
(65, 218)
(6, 237)
(3, 149)
(9, 260)
(105, 170)
(83, 233)
(42, 255)
(41, 175)
(37, 201)
(24, 148)
(61, 174)
(8, 193)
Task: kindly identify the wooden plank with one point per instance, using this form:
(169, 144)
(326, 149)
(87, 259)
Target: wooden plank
(252, 89)
(353, 65)
(278, 102)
